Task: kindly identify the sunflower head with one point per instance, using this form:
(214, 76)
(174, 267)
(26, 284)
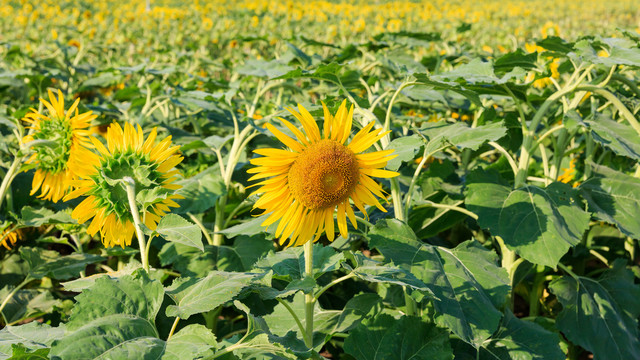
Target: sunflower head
(303, 185)
(126, 154)
(9, 236)
(64, 139)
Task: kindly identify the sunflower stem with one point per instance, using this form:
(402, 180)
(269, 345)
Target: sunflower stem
(11, 294)
(8, 177)
(309, 300)
(130, 186)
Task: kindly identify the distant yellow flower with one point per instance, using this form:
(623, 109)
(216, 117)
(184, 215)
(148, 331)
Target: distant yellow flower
(127, 154)
(9, 237)
(568, 174)
(303, 185)
(65, 137)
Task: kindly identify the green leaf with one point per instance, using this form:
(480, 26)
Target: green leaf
(326, 322)
(424, 79)
(614, 197)
(249, 227)
(20, 352)
(518, 58)
(259, 343)
(406, 338)
(32, 336)
(619, 137)
(442, 134)
(38, 217)
(200, 191)
(176, 229)
(49, 263)
(27, 303)
(601, 315)
(269, 69)
(405, 148)
(549, 221)
(466, 281)
(191, 342)
(621, 51)
(114, 318)
(328, 72)
(522, 340)
(194, 296)
(289, 263)
(478, 72)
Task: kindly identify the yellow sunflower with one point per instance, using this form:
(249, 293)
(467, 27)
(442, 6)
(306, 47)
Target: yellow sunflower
(127, 153)
(304, 184)
(64, 137)
(9, 237)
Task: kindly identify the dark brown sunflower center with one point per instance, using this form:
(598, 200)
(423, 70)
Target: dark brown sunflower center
(324, 175)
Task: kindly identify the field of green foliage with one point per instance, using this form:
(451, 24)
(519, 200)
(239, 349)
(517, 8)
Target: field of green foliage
(320, 180)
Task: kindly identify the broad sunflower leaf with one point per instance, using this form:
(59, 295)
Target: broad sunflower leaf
(176, 229)
(20, 352)
(406, 148)
(289, 263)
(200, 191)
(261, 68)
(619, 137)
(549, 220)
(32, 336)
(326, 322)
(49, 263)
(442, 134)
(198, 295)
(259, 343)
(38, 217)
(466, 281)
(27, 303)
(425, 79)
(114, 318)
(614, 197)
(241, 256)
(191, 342)
(601, 315)
(384, 337)
(522, 340)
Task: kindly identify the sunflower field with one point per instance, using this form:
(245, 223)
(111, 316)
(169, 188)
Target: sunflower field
(356, 180)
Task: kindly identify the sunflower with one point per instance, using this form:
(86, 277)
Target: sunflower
(127, 153)
(65, 139)
(303, 185)
(9, 237)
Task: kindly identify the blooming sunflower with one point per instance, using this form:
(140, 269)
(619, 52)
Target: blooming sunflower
(303, 185)
(9, 237)
(66, 139)
(127, 153)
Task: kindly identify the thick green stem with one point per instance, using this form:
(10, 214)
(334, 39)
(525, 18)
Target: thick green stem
(508, 262)
(8, 177)
(218, 238)
(130, 186)
(411, 308)
(309, 301)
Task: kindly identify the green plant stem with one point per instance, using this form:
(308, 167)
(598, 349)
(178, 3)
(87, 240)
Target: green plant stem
(202, 228)
(218, 238)
(568, 271)
(130, 186)
(9, 176)
(450, 207)
(410, 304)
(334, 282)
(309, 301)
(506, 154)
(11, 294)
(303, 330)
(536, 293)
(508, 263)
(628, 115)
(173, 327)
